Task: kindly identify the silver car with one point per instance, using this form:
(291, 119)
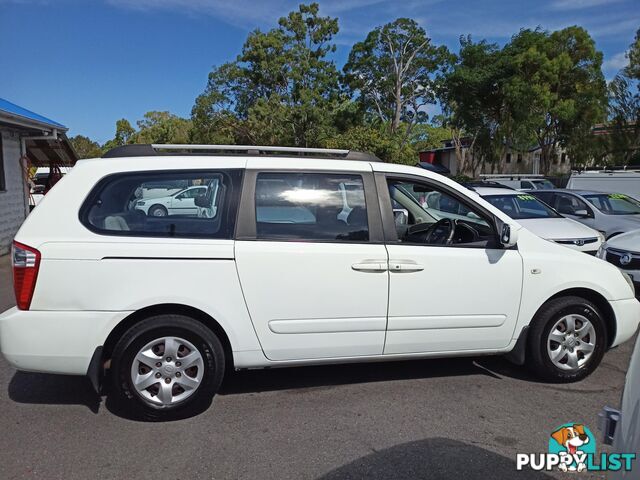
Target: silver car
(609, 213)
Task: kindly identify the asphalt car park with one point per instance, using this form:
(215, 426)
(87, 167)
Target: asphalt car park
(444, 418)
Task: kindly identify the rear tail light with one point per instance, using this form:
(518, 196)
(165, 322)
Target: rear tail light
(26, 262)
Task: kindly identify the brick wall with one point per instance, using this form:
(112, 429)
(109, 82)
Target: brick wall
(12, 201)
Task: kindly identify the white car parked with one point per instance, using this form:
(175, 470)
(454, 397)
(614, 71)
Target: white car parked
(303, 262)
(543, 220)
(179, 203)
(623, 251)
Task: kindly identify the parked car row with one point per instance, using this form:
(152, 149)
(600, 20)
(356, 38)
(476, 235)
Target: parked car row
(609, 213)
(579, 219)
(543, 220)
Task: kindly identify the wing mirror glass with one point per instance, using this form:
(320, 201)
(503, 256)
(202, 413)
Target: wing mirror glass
(508, 235)
(400, 216)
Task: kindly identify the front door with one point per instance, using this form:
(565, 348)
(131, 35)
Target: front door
(452, 288)
(312, 264)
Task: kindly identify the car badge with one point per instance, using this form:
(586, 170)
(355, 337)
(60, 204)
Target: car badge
(578, 243)
(625, 259)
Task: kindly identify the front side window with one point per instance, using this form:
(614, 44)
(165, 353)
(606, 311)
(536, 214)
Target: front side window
(192, 192)
(520, 207)
(614, 203)
(426, 215)
(570, 205)
(311, 206)
(166, 204)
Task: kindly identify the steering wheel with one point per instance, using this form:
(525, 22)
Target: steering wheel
(439, 233)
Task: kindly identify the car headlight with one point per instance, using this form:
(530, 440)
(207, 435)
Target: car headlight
(627, 277)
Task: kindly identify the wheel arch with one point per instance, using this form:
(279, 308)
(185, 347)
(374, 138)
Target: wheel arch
(599, 300)
(163, 309)
(154, 205)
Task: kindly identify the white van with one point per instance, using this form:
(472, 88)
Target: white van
(520, 182)
(620, 181)
(302, 261)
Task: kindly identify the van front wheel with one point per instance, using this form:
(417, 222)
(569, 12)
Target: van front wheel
(567, 340)
(166, 366)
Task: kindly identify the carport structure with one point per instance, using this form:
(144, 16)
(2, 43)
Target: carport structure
(27, 140)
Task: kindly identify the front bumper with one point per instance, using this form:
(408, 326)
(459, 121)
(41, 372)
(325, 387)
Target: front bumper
(627, 313)
(54, 341)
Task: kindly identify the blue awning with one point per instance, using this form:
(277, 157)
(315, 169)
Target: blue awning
(17, 111)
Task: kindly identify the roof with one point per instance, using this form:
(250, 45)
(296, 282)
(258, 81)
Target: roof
(569, 190)
(434, 167)
(482, 191)
(150, 150)
(19, 113)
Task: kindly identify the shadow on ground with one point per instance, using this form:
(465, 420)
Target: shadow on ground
(433, 459)
(47, 389)
(41, 388)
(251, 381)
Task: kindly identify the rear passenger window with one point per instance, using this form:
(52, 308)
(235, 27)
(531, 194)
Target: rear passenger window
(311, 206)
(167, 204)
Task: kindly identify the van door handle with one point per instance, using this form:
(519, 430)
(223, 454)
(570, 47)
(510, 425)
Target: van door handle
(405, 266)
(371, 266)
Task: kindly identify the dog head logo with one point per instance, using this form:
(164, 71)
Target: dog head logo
(571, 438)
(573, 441)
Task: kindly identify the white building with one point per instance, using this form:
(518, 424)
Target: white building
(26, 140)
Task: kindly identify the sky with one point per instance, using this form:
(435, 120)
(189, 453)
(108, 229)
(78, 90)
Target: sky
(88, 63)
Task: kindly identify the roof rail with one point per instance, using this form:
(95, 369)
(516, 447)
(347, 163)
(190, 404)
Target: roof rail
(150, 150)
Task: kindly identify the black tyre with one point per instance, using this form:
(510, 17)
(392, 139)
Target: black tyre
(566, 340)
(166, 367)
(157, 211)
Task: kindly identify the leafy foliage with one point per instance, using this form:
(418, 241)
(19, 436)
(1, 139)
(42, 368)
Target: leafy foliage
(281, 89)
(541, 88)
(394, 73)
(624, 110)
(85, 147)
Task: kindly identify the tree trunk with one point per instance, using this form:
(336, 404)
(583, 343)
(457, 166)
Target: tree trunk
(395, 124)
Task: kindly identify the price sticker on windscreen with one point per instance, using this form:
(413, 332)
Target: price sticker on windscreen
(526, 197)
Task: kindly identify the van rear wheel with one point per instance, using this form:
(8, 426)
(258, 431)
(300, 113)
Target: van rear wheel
(567, 340)
(166, 367)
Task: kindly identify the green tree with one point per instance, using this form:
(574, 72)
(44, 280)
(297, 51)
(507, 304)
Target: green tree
(474, 105)
(124, 135)
(375, 140)
(85, 147)
(162, 127)
(281, 87)
(394, 72)
(557, 89)
(624, 110)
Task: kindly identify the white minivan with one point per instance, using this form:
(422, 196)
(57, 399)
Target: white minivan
(304, 256)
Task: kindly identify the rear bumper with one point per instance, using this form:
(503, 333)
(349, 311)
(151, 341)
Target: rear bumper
(53, 341)
(627, 313)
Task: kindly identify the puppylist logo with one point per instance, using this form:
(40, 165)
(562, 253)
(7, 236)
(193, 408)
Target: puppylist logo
(572, 448)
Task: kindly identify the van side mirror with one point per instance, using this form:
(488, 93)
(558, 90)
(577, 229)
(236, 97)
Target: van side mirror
(581, 213)
(400, 216)
(508, 236)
